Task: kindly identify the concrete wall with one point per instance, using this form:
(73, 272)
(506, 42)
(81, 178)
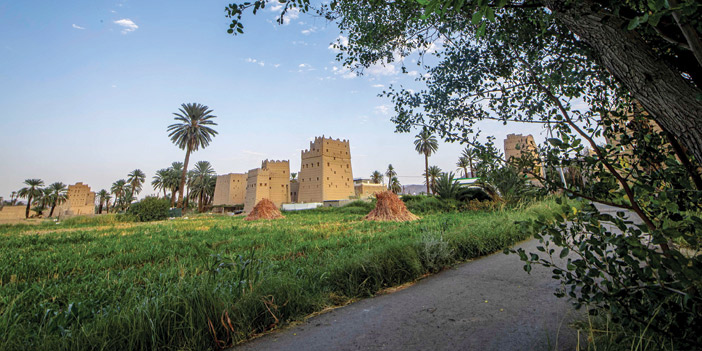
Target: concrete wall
(325, 171)
(230, 189)
(271, 181)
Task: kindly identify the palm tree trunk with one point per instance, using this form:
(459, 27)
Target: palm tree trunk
(107, 206)
(173, 197)
(99, 207)
(426, 170)
(465, 172)
(51, 213)
(182, 179)
(29, 203)
(470, 160)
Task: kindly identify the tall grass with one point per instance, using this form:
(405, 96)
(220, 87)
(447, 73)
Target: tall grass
(210, 282)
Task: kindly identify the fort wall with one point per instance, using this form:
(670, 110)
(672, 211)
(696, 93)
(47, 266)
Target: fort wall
(230, 189)
(271, 181)
(325, 171)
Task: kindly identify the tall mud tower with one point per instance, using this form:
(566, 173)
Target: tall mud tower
(271, 181)
(325, 172)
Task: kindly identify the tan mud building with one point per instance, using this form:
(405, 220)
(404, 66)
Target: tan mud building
(325, 171)
(80, 201)
(230, 189)
(271, 181)
(365, 188)
(13, 214)
(516, 145)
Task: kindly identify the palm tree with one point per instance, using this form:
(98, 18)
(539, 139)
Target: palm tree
(136, 179)
(463, 165)
(172, 181)
(433, 173)
(191, 134)
(201, 177)
(159, 180)
(470, 153)
(118, 189)
(13, 198)
(107, 202)
(426, 144)
(102, 197)
(189, 183)
(395, 185)
(376, 177)
(57, 195)
(293, 177)
(32, 190)
(390, 173)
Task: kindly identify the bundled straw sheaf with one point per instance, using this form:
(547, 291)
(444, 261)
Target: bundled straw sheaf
(390, 208)
(264, 209)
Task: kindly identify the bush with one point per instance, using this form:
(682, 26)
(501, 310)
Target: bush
(150, 209)
(429, 204)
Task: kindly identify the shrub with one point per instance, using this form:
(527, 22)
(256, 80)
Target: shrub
(150, 209)
(429, 204)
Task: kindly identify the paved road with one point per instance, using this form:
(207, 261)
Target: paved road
(486, 304)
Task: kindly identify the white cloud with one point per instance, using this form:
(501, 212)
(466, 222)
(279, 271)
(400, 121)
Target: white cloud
(77, 26)
(276, 65)
(304, 65)
(378, 86)
(255, 61)
(387, 69)
(343, 72)
(412, 73)
(382, 110)
(127, 25)
(340, 41)
(306, 32)
(292, 14)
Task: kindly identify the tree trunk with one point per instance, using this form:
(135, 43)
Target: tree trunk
(29, 203)
(470, 161)
(51, 213)
(182, 179)
(107, 206)
(173, 196)
(661, 90)
(99, 208)
(426, 171)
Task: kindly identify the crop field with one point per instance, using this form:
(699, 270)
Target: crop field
(209, 282)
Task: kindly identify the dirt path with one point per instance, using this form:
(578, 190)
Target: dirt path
(486, 304)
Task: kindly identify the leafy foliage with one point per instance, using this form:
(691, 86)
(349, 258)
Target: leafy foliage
(150, 209)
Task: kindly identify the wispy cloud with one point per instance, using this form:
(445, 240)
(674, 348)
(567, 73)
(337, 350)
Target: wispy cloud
(77, 26)
(127, 25)
(255, 61)
(378, 86)
(382, 110)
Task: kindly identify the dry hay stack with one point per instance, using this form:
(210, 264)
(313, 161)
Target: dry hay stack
(264, 209)
(390, 208)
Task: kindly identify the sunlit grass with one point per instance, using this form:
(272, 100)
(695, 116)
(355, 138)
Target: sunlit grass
(215, 280)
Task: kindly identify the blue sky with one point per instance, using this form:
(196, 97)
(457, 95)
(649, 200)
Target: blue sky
(89, 87)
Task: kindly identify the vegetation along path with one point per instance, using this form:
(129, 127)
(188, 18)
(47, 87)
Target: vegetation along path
(486, 304)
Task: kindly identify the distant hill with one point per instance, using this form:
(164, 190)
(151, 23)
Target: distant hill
(414, 189)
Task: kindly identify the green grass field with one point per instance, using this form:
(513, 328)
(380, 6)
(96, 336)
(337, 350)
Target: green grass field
(212, 281)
